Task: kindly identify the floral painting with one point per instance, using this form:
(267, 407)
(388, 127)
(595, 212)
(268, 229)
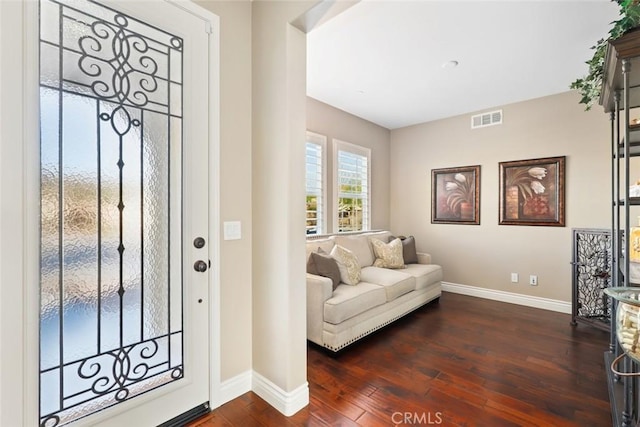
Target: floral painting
(455, 195)
(532, 192)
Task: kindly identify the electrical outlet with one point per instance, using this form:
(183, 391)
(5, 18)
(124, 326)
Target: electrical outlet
(533, 280)
(514, 277)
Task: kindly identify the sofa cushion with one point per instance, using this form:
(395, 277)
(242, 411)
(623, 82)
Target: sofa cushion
(349, 301)
(323, 264)
(385, 236)
(347, 264)
(388, 255)
(425, 274)
(409, 252)
(360, 247)
(324, 244)
(395, 283)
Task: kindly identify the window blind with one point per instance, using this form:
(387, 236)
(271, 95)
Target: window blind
(314, 185)
(353, 191)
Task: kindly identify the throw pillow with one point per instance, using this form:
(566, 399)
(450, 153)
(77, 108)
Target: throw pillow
(409, 253)
(388, 255)
(347, 264)
(358, 245)
(322, 264)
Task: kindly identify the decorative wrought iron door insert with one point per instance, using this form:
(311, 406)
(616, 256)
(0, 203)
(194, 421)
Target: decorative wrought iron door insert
(111, 138)
(591, 275)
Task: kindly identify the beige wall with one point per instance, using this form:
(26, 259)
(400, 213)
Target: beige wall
(235, 183)
(485, 255)
(13, 328)
(262, 308)
(278, 123)
(334, 123)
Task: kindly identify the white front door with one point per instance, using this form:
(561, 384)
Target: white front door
(124, 190)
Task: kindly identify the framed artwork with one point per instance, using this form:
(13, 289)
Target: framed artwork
(455, 195)
(532, 192)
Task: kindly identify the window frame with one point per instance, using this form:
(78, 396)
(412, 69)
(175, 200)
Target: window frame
(339, 145)
(321, 140)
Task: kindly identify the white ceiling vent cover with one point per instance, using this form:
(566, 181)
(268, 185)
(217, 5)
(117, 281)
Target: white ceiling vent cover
(486, 119)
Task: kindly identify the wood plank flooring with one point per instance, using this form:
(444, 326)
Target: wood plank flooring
(461, 362)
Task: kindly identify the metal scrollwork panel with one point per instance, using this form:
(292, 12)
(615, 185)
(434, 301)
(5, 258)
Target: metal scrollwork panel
(592, 274)
(111, 289)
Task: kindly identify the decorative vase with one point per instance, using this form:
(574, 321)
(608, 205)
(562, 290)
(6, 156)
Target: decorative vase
(536, 206)
(512, 202)
(466, 210)
(627, 323)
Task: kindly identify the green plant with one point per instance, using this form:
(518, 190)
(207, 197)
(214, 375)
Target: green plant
(590, 85)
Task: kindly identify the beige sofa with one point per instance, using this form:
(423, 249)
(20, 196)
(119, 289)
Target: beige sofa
(337, 318)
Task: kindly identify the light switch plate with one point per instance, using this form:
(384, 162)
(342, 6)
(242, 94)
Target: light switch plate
(232, 230)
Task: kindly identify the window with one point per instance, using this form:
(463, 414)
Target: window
(315, 177)
(352, 189)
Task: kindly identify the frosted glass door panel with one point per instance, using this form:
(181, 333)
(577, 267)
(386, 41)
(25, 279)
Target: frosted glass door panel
(111, 142)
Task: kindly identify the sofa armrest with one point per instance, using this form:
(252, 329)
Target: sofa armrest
(424, 258)
(319, 289)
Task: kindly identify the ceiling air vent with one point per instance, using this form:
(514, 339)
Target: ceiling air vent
(486, 119)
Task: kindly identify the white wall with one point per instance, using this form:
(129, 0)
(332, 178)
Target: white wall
(485, 255)
(334, 123)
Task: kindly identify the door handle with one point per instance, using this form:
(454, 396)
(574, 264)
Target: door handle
(200, 266)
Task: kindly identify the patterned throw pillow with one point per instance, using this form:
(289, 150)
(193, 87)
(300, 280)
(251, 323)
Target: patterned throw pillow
(347, 264)
(388, 255)
(409, 252)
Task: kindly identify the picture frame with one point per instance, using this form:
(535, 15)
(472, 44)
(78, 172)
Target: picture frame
(532, 192)
(455, 195)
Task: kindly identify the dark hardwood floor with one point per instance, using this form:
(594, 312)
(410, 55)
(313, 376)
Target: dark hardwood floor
(462, 362)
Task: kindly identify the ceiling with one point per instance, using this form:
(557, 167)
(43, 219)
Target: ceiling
(383, 60)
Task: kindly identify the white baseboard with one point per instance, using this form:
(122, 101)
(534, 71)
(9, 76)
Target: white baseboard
(510, 297)
(233, 388)
(286, 402)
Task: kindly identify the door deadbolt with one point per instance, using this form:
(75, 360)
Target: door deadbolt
(199, 242)
(200, 266)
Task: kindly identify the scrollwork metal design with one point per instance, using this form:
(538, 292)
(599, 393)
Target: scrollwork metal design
(118, 60)
(50, 421)
(123, 371)
(592, 274)
(126, 74)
